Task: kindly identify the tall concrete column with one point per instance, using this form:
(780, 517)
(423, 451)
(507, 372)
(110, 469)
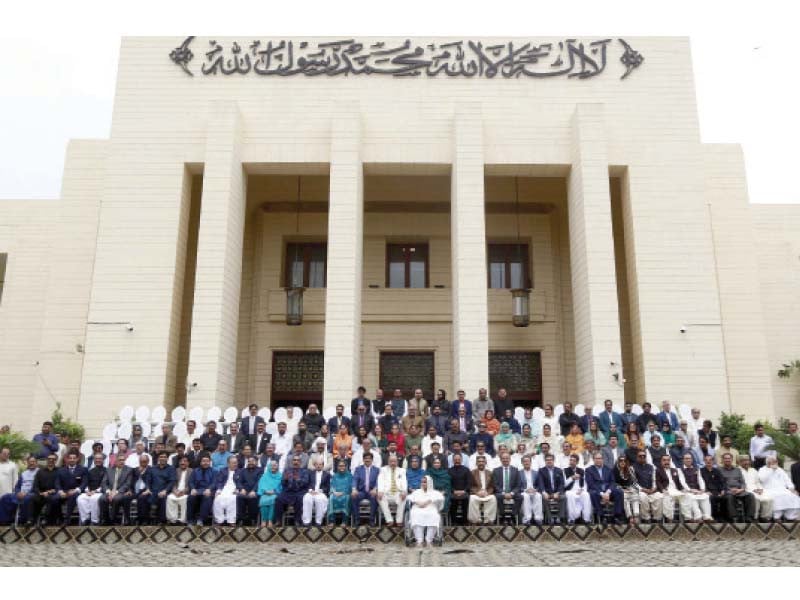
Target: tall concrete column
(591, 242)
(215, 317)
(468, 242)
(345, 258)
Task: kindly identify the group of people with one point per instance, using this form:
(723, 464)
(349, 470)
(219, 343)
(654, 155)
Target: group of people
(417, 458)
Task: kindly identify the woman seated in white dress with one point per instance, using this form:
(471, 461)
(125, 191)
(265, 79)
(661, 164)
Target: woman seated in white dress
(426, 503)
(785, 501)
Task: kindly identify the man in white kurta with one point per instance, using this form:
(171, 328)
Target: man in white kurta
(701, 502)
(786, 502)
(225, 499)
(315, 502)
(89, 500)
(176, 500)
(754, 486)
(579, 504)
(392, 487)
(672, 484)
(9, 472)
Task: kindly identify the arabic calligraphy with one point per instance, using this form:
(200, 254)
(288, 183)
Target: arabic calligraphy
(570, 58)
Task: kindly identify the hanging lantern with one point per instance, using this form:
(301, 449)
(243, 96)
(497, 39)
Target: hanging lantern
(294, 305)
(521, 307)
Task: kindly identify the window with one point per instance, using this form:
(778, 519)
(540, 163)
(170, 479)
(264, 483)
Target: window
(520, 373)
(508, 266)
(306, 265)
(3, 261)
(407, 265)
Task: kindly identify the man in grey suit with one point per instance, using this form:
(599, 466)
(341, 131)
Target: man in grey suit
(117, 491)
(506, 487)
(611, 453)
(235, 438)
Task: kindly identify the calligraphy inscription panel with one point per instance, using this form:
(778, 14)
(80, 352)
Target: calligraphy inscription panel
(515, 371)
(297, 372)
(407, 371)
(570, 57)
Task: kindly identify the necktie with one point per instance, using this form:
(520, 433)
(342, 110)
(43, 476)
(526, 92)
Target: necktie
(116, 480)
(393, 487)
(505, 479)
(552, 483)
(463, 427)
(366, 484)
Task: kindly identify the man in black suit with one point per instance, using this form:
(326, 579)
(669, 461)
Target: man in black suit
(196, 453)
(250, 422)
(360, 400)
(71, 481)
(550, 484)
(235, 438)
(506, 487)
(362, 419)
(438, 421)
(460, 481)
(335, 422)
(210, 438)
(259, 441)
(117, 491)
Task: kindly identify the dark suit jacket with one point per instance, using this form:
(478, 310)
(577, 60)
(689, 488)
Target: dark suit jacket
(585, 420)
(262, 447)
(513, 479)
(244, 428)
(475, 482)
(455, 405)
(385, 458)
(359, 478)
(543, 481)
(597, 483)
(795, 475)
(354, 405)
(325, 484)
(235, 443)
(125, 483)
(570, 483)
(369, 423)
(333, 424)
(66, 481)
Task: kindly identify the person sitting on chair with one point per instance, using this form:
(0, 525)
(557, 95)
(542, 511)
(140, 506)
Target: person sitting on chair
(424, 518)
(315, 501)
(551, 486)
(531, 498)
(89, 500)
(603, 490)
(506, 486)
(392, 487)
(365, 483)
(482, 493)
(295, 485)
(579, 504)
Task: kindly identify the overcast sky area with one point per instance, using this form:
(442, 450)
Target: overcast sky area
(59, 64)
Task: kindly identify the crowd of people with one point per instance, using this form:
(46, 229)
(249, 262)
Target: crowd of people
(471, 460)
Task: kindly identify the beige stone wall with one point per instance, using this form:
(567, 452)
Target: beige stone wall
(777, 241)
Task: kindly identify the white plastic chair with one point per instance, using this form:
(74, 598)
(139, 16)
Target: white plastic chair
(126, 414)
(230, 414)
(142, 414)
(178, 414)
(86, 448)
(124, 431)
(597, 409)
(636, 409)
(146, 429)
(158, 415)
(106, 448)
(179, 429)
(329, 412)
(578, 410)
(297, 414)
(519, 413)
(271, 428)
(685, 411)
(196, 415)
(265, 413)
(244, 412)
(538, 414)
(280, 414)
(347, 412)
(214, 414)
(618, 408)
(110, 431)
(558, 410)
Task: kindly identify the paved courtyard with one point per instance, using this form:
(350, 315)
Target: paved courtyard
(768, 553)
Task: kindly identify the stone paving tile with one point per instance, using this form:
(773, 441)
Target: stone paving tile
(602, 553)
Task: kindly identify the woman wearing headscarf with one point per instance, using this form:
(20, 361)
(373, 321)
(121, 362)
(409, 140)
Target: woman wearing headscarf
(414, 472)
(440, 478)
(269, 487)
(667, 435)
(426, 502)
(341, 487)
(506, 437)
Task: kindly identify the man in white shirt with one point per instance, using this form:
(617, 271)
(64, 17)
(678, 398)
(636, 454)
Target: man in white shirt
(695, 424)
(701, 503)
(176, 500)
(671, 483)
(689, 434)
(358, 456)
(579, 503)
(531, 498)
(754, 486)
(429, 439)
(759, 445)
(392, 487)
(480, 452)
(224, 507)
(322, 454)
(133, 461)
(563, 457)
(282, 440)
(539, 460)
(315, 501)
